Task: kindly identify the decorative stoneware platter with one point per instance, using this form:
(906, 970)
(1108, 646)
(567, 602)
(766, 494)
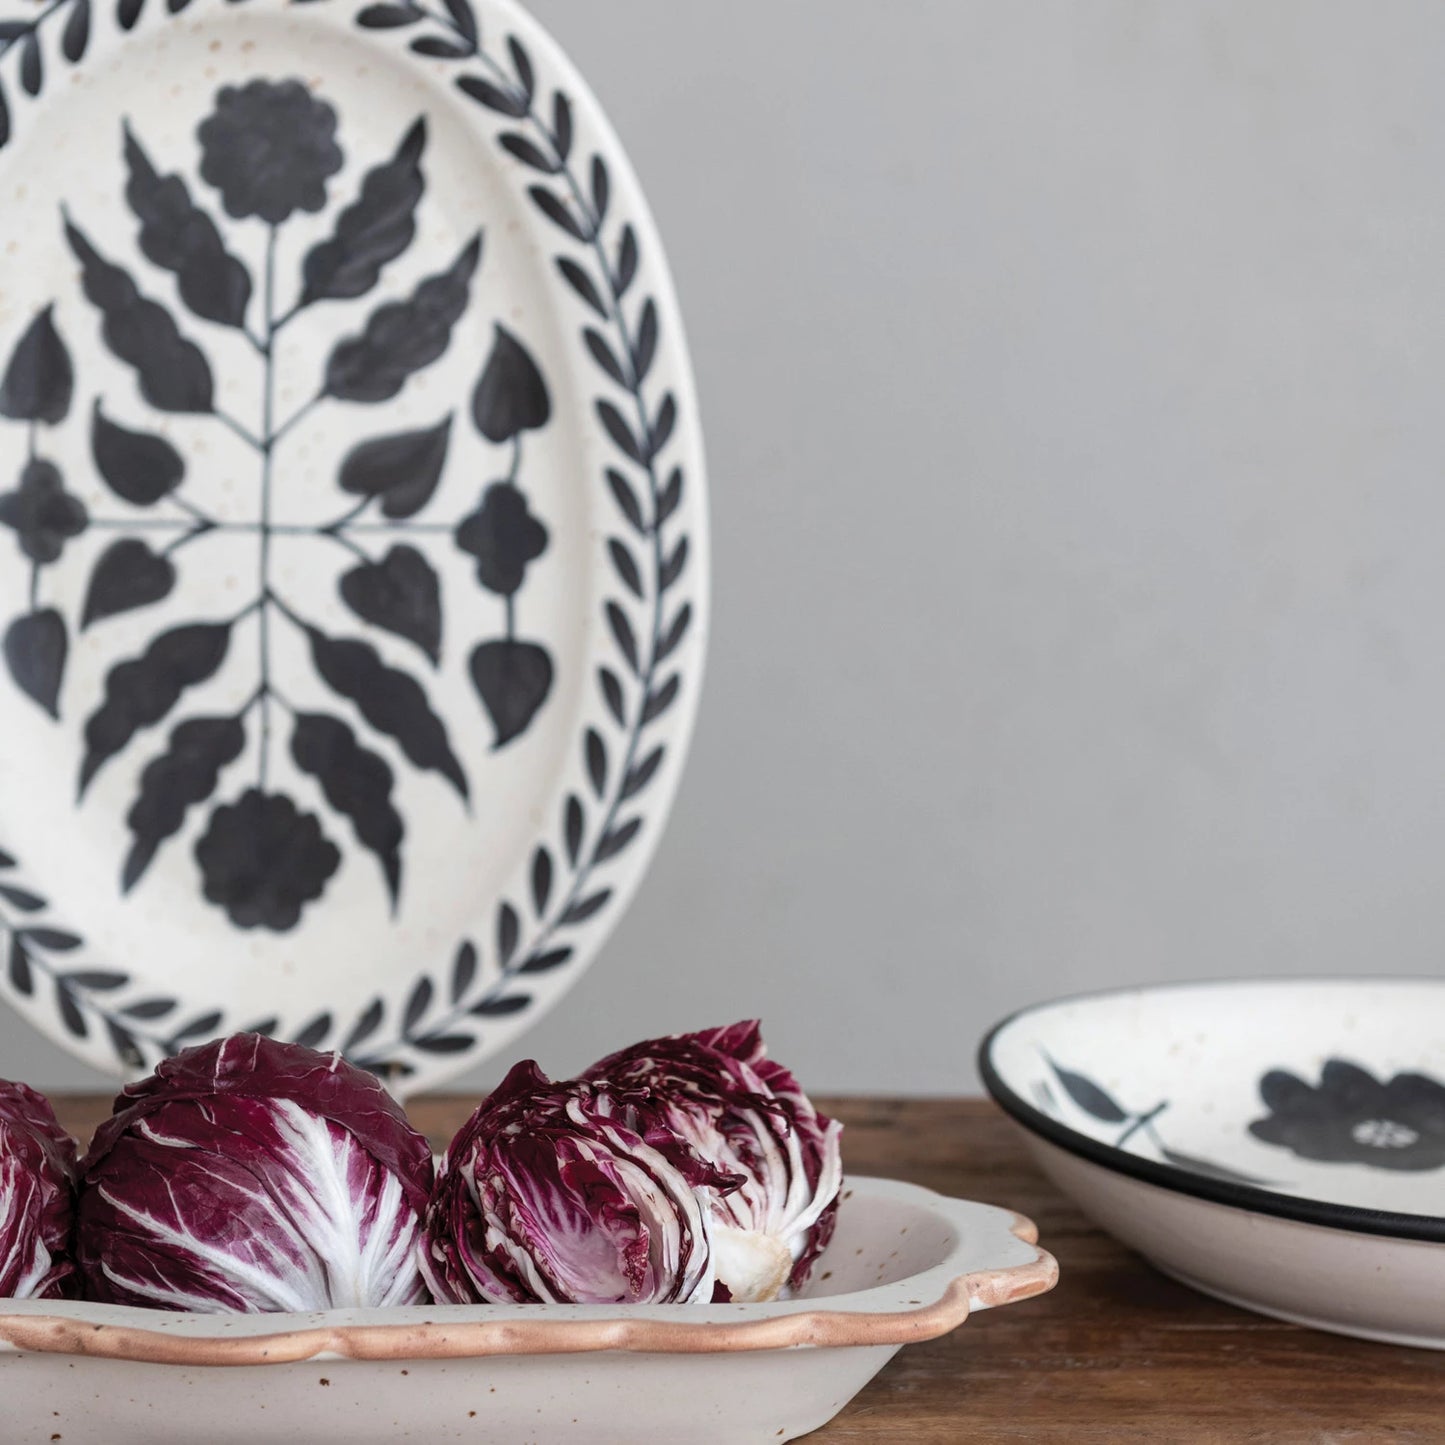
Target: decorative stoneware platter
(1280, 1143)
(353, 554)
(905, 1265)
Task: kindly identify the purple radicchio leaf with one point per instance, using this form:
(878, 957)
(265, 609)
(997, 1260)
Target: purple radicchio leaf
(37, 1188)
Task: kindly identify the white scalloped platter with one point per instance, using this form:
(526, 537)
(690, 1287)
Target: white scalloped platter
(905, 1265)
(353, 533)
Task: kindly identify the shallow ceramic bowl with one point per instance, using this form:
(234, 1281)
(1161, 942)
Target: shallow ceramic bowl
(1277, 1143)
(906, 1264)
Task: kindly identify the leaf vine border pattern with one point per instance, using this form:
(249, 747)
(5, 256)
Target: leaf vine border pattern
(600, 261)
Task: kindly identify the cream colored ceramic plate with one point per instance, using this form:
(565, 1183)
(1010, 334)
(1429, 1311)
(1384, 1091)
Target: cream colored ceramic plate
(905, 1265)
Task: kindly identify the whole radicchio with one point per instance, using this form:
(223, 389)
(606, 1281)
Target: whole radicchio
(748, 1116)
(249, 1175)
(37, 1185)
(552, 1192)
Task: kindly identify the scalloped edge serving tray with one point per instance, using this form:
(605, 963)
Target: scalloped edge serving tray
(905, 1265)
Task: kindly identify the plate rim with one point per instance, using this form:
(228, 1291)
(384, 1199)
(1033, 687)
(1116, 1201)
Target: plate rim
(1353, 1218)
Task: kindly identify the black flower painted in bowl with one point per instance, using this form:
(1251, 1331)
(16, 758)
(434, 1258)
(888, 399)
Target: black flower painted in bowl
(269, 148)
(41, 513)
(1351, 1117)
(504, 536)
(263, 861)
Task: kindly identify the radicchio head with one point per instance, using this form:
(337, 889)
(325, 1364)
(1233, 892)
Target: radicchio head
(37, 1186)
(250, 1175)
(750, 1117)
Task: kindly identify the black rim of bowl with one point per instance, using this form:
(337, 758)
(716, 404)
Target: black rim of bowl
(1357, 1218)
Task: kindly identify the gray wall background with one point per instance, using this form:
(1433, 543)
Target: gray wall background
(1072, 378)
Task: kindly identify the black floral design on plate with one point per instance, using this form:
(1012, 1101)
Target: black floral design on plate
(41, 513)
(504, 536)
(1351, 1117)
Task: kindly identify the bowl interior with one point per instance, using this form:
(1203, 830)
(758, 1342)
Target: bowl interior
(1321, 1090)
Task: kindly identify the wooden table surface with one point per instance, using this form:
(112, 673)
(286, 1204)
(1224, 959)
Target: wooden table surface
(1115, 1353)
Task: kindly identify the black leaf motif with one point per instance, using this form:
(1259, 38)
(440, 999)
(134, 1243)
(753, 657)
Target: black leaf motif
(1207, 1166)
(201, 1026)
(596, 752)
(403, 470)
(97, 980)
(417, 1004)
(513, 680)
(6, 860)
(187, 772)
(138, 467)
(541, 879)
(54, 940)
(39, 381)
(672, 568)
(465, 19)
(580, 280)
(558, 212)
(1088, 1095)
(35, 649)
(443, 1043)
(661, 699)
(572, 828)
(644, 349)
(150, 1008)
(124, 1043)
(180, 237)
(523, 63)
(365, 1026)
(76, 36)
(641, 774)
(127, 575)
(70, 1014)
(402, 337)
(390, 700)
(400, 594)
(620, 432)
(141, 692)
(528, 152)
(494, 97)
(357, 784)
(32, 67)
(604, 356)
(311, 1036)
(389, 17)
(267, 1026)
(601, 188)
(587, 908)
(21, 898)
(626, 566)
(464, 970)
(616, 840)
(373, 231)
(562, 124)
(500, 1008)
(671, 497)
(128, 12)
(626, 269)
(22, 980)
(4, 118)
(622, 632)
(509, 930)
(545, 962)
(667, 644)
(173, 372)
(663, 424)
(435, 48)
(612, 694)
(511, 396)
(626, 499)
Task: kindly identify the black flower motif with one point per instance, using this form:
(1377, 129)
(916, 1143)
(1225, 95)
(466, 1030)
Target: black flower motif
(41, 513)
(263, 861)
(269, 148)
(504, 537)
(1353, 1118)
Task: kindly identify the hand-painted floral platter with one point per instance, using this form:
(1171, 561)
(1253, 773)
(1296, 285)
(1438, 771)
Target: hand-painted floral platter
(1279, 1143)
(353, 554)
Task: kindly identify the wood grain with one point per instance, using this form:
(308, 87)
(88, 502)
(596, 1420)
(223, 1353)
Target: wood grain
(1115, 1353)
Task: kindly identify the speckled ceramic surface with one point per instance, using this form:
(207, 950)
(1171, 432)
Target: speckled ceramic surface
(353, 536)
(905, 1265)
(1280, 1143)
